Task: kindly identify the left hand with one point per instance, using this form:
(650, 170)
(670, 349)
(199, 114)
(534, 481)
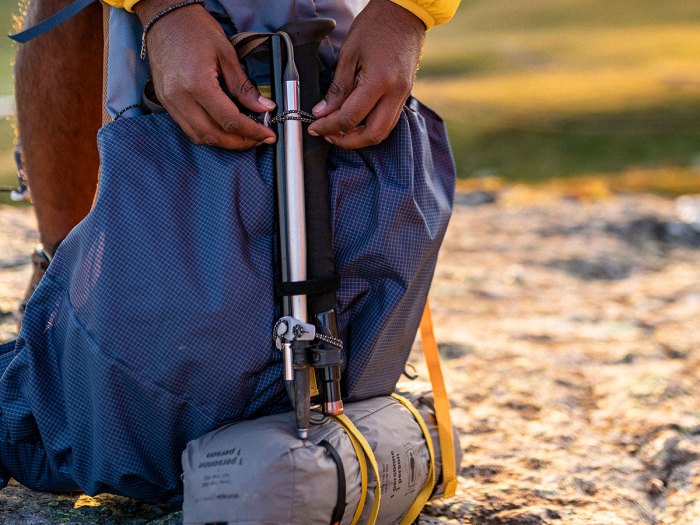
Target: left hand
(374, 77)
(190, 56)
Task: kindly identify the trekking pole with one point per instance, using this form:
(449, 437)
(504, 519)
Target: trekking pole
(311, 318)
(293, 230)
(326, 356)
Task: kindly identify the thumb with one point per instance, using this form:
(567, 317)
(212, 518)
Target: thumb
(241, 87)
(339, 90)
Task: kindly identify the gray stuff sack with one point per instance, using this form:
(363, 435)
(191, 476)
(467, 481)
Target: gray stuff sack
(259, 472)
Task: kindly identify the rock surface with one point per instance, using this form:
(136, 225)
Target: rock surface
(570, 342)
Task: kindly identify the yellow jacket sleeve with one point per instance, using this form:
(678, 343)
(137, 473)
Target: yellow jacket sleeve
(431, 12)
(126, 4)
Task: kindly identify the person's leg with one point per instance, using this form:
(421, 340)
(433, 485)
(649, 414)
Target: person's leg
(58, 87)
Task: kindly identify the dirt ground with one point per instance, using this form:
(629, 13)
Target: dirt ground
(569, 336)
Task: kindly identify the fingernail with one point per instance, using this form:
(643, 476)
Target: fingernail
(319, 107)
(328, 139)
(313, 133)
(270, 140)
(266, 102)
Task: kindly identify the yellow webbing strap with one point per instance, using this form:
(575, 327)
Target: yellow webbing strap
(313, 383)
(427, 490)
(354, 432)
(442, 403)
(363, 477)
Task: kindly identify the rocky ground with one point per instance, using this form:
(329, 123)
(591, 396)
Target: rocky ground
(569, 336)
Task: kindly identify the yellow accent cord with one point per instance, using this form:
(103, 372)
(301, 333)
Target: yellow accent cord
(427, 490)
(354, 432)
(363, 477)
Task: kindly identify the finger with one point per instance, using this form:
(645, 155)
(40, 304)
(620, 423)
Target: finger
(203, 130)
(239, 85)
(341, 87)
(353, 111)
(225, 113)
(380, 122)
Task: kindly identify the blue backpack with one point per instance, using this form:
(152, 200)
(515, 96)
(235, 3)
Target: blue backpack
(152, 325)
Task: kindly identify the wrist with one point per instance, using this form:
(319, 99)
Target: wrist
(401, 14)
(419, 16)
(146, 10)
(162, 9)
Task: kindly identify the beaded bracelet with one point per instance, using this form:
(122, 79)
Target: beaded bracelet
(160, 15)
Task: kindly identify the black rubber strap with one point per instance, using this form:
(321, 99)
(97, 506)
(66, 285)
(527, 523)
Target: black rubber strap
(309, 287)
(340, 504)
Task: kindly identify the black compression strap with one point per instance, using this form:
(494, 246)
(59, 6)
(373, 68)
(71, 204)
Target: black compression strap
(340, 504)
(310, 287)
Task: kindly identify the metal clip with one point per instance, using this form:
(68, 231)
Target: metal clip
(290, 329)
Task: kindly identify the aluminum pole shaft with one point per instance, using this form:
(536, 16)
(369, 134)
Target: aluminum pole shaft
(296, 211)
(296, 243)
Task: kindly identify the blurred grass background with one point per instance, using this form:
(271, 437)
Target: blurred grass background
(538, 90)
(8, 173)
(534, 90)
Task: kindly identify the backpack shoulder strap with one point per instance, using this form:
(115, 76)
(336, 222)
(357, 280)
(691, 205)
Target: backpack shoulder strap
(442, 402)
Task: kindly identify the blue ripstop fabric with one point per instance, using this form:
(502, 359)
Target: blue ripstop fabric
(153, 323)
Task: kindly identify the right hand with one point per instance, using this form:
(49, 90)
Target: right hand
(374, 77)
(189, 54)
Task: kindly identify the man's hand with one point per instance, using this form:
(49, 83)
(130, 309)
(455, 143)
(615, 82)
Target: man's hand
(189, 56)
(374, 77)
